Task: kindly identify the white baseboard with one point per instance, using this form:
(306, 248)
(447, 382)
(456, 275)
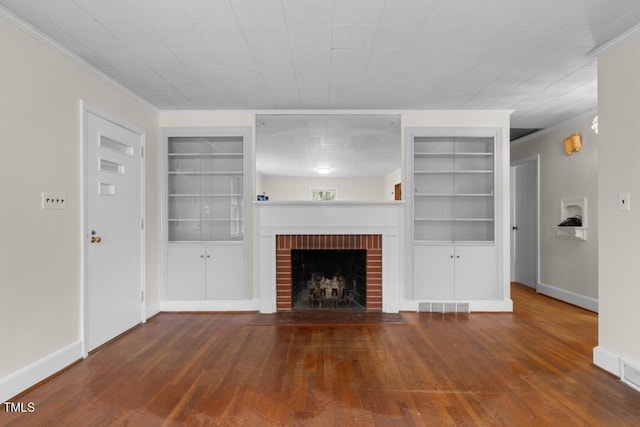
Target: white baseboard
(606, 360)
(491, 306)
(152, 310)
(568, 296)
(211, 305)
(20, 380)
(497, 306)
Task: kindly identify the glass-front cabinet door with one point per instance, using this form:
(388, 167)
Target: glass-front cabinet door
(206, 197)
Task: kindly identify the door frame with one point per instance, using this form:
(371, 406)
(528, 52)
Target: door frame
(535, 158)
(85, 109)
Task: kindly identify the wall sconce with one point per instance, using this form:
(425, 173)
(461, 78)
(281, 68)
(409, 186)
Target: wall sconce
(573, 143)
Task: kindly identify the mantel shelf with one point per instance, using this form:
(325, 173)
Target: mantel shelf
(437, 172)
(206, 173)
(453, 195)
(199, 155)
(470, 154)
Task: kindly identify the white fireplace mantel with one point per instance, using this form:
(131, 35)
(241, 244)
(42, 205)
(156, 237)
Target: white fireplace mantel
(275, 218)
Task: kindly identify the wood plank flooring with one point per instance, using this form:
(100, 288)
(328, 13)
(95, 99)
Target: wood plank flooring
(531, 367)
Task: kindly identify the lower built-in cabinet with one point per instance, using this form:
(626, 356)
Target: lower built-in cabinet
(202, 272)
(451, 272)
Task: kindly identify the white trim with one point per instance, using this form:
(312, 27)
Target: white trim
(143, 228)
(497, 306)
(491, 306)
(85, 109)
(606, 360)
(152, 310)
(518, 162)
(615, 42)
(20, 380)
(211, 305)
(190, 113)
(582, 301)
(52, 44)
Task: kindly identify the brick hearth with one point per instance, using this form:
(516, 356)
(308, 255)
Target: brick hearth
(372, 243)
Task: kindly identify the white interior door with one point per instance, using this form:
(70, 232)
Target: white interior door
(524, 223)
(113, 220)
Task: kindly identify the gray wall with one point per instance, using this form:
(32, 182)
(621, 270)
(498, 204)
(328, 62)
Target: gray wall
(568, 268)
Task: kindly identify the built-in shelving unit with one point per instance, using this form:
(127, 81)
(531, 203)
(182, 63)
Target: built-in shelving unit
(206, 190)
(207, 227)
(453, 184)
(451, 214)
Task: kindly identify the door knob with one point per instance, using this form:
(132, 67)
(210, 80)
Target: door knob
(96, 239)
(514, 228)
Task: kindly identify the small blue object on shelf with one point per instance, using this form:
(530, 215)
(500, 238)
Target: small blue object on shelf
(263, 198)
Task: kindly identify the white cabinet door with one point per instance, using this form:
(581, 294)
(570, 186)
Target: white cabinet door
(185, 273)
(225, 273)
(476, 276)
(433, 272)
(455, 272)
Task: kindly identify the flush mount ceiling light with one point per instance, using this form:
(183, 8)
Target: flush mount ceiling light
(323, 170)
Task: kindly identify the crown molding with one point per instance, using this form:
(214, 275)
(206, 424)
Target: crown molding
(29, 29)
(614, 42)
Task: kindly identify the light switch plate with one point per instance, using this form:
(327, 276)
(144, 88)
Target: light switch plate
(624, 201)
(54, 201)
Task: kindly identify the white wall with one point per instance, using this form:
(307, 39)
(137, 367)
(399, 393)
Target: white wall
(282, 189)
(40, 251)
(568, 268)
(619, 171)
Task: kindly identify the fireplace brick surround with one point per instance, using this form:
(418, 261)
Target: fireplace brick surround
(372, 243)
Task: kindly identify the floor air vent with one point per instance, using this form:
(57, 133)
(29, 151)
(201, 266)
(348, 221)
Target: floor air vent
(443, 307)
(630, 375)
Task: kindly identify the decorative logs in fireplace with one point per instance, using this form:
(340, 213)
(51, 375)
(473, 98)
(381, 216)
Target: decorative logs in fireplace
(329, 278)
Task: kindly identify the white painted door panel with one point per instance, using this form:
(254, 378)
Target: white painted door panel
(524, 236)
(186, 273)
(226, 273)
(433, 272)
(476, 275)
(113, 219)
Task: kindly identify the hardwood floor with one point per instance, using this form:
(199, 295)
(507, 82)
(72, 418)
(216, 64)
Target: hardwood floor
(530, 367)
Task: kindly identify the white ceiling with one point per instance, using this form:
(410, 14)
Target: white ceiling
(529, 56)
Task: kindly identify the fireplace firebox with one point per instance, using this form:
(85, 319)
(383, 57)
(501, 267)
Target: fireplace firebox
(369, 244)
(329, 278)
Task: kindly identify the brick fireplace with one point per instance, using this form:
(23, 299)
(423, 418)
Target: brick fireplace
(287, 226)
(372, 243)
